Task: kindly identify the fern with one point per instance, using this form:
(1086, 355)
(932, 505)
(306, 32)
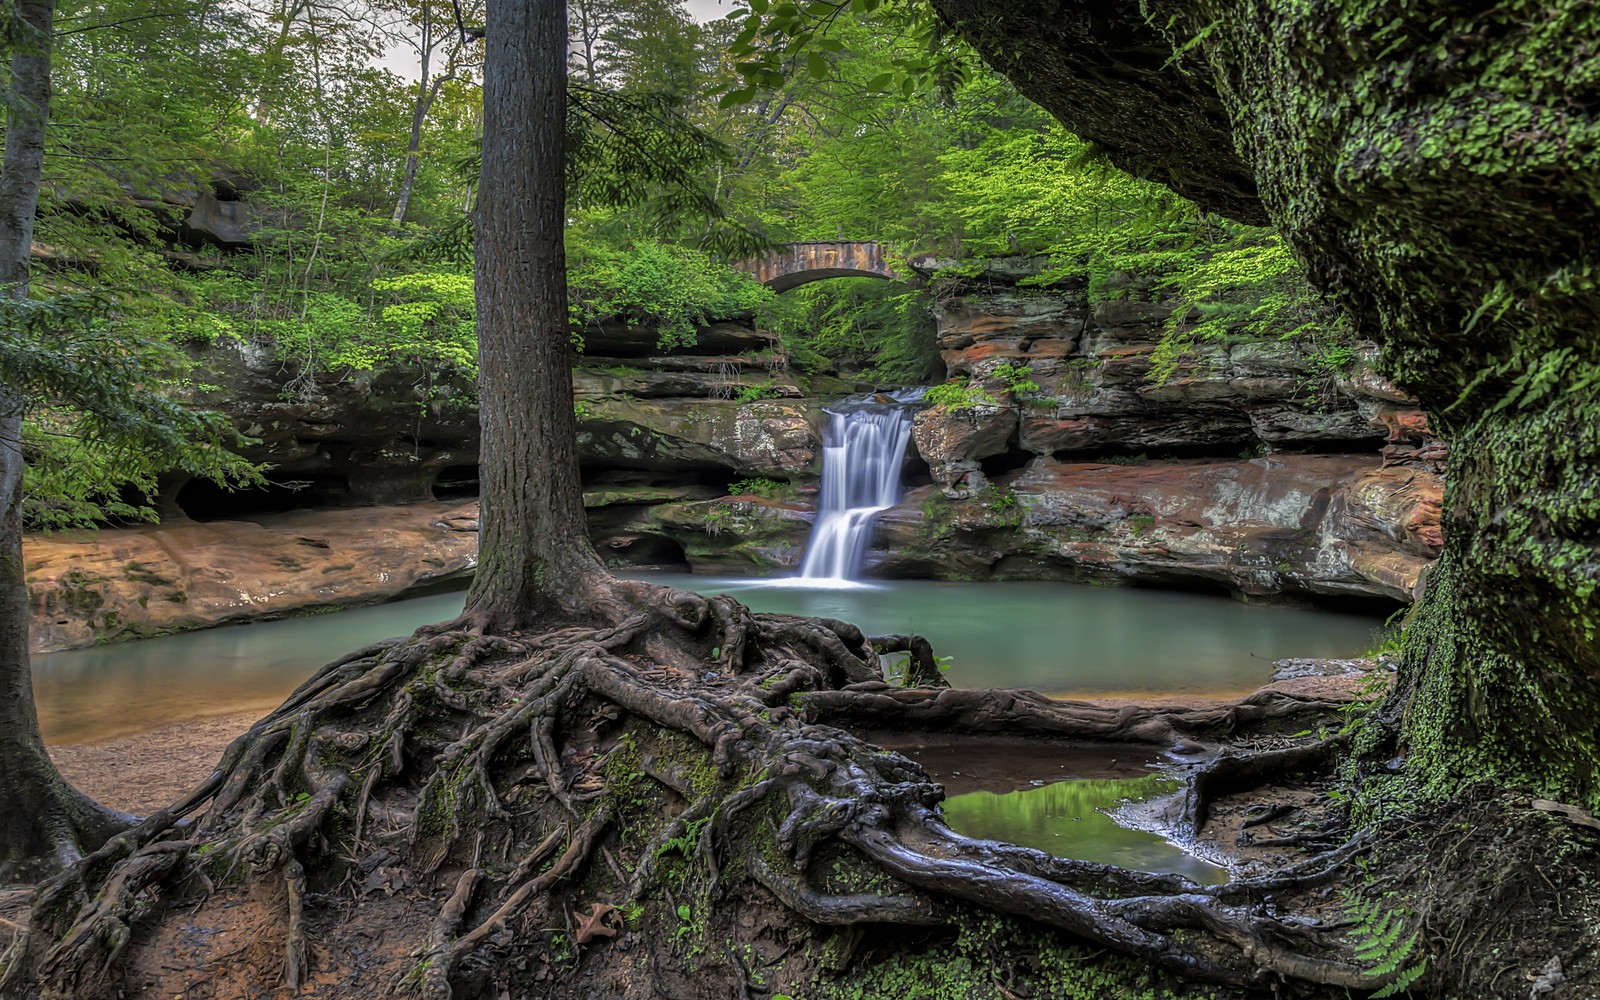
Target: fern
(684, 842)
(1380, 942)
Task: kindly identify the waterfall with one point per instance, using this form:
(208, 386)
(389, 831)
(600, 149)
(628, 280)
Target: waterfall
(862, 450)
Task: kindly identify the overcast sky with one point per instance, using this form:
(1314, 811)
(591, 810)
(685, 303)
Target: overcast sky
(706, 10)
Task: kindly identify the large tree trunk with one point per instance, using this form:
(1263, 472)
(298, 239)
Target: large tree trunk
(1434, 167)
(41, 817)
(535, 558)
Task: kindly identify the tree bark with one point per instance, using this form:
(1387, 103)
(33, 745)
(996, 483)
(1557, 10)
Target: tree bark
(535, 557)
(41, 816)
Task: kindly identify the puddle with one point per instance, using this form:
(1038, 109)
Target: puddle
(1055, 797)
(1069, 819)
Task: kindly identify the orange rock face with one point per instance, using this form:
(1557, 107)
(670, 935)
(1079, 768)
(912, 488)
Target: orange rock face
(131, 583)
(1251, 466)
(1330, 525)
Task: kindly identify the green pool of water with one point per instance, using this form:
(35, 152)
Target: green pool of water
(1053, 637)
(1069, 819)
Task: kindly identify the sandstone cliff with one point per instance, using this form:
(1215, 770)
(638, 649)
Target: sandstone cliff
(1254, 469)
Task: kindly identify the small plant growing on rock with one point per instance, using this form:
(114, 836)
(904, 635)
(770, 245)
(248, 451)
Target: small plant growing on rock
(1018, 380)
(958, 396)
(759, 391)
(1003, 500)
(768, 488)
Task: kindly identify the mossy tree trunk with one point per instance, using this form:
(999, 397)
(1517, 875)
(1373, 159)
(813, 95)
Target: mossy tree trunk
(1435, 167)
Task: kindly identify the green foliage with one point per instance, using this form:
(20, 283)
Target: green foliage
(1003, 500)
(882, 328)
(958, 395)
(685, 842)
(1018, 380)
(768, 488)
(1380, 943)
(650, 283)
(759, 391)
(102, 417)
(1248, 287)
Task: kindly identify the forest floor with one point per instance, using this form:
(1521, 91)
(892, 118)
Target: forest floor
(1474, 869)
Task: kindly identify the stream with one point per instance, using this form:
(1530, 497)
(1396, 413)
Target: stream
(1056, 638)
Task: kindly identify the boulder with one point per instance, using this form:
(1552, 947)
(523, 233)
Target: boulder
(953, 441)
(770, 438)
(740, 535)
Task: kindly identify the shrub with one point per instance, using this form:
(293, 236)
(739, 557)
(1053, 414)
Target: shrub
(958, 396)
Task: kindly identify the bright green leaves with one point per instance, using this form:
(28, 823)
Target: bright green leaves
(778, 42)
(882, 327)
(958, 395)
(1244, 286)
(102, 416)
(649, 283)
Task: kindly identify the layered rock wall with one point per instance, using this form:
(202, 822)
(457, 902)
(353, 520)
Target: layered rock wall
(1255, 467)
(1253, 470)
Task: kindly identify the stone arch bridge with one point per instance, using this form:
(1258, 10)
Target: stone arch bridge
(802, 263)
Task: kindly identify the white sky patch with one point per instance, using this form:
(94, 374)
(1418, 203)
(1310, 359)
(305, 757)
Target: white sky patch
(404, 62)
(708, 10)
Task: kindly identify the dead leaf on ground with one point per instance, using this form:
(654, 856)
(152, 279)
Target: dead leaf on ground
(597, 923)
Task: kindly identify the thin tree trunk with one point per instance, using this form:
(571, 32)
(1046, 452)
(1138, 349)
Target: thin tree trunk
(419, 117)
(23, 167)
(40, 814)
(535, 558)
(427, 90)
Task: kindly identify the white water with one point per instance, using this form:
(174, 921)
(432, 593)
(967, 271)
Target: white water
(862, 451)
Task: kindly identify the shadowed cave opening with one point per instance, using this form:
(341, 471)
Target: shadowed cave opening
(456, 482)
(203, 500)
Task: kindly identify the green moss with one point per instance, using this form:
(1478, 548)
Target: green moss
(995, 957)
(138, 572)
(1401, 150)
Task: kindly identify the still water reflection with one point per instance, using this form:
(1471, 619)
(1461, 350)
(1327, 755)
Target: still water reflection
(1053, 637)
(1069, 819)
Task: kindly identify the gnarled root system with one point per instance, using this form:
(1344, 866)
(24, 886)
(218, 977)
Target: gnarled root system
(460, 814)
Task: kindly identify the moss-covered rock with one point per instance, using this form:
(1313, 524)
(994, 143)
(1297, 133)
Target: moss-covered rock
(776, 438)
(1435, 167)
(740, 535)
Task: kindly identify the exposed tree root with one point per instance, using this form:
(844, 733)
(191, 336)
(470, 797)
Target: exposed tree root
(493, 761)
(988, 710)
(1235, 772)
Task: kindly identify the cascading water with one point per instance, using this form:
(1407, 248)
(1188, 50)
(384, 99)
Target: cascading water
(863, 448)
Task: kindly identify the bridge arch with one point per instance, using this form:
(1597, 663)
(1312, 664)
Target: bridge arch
(802, 263)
